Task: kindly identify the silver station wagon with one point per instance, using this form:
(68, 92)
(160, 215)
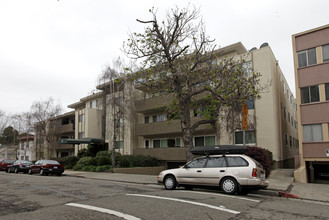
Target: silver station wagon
(232, 173)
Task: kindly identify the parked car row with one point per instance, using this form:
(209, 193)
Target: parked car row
(43, 167)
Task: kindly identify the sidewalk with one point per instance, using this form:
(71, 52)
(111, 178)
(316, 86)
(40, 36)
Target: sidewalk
(281, 183)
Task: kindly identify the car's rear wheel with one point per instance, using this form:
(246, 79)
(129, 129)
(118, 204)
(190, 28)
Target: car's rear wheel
(229, 185)
(170, 182)
(30, 172)
(16, 170)
(59, 174)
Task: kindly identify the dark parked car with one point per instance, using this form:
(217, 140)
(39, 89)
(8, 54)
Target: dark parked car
(19, 166)
(5, 163)
(44, 167)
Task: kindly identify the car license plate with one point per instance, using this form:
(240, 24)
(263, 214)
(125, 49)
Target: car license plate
(50, 169)
(55, 167)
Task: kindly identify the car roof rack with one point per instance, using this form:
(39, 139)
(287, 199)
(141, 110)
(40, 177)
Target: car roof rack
(219, 149)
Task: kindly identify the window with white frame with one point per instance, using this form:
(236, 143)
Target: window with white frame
(310, 94)
(204, 141)
(245, 137)
(165, 142)
(158, 118)
(94, 104)
(307, 57)
(312, 132)
(325, 53)
(118, 144)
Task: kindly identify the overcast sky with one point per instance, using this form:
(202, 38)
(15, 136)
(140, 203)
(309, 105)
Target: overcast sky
(57, 49)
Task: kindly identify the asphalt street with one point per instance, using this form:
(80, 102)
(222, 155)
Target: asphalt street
(67, 197)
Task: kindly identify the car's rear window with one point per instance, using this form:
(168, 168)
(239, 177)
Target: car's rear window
(50, 162)
(8, 161)
(236, 162)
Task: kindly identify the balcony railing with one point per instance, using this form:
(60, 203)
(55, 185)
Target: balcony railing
(168, 127)
(65, 128)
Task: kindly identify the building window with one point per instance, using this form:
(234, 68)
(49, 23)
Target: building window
(168, 142)
(325, 53)
(286, 139)
(146, 119)
(118, 144)
(94, 104)
(310, 94)
(147, 143)
(307, 57)
(285, 112)
(204, 141)
(312, 132)
(158, 118)
(289, 117)
(81, 118)
(245, 137)
(177, 142)
(251, 103)
(327, 91)
(290, 141)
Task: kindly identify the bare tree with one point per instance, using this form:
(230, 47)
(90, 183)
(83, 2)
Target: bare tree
(23, 122)
(114, 85)
(3, 121)
(177, 57)
(44, 114)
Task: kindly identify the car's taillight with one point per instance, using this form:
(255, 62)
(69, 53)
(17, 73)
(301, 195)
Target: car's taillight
(47, 165)
(20, 165)
(254, 172)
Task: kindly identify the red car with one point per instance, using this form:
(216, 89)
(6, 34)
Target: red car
(44, 167)
(5, 163)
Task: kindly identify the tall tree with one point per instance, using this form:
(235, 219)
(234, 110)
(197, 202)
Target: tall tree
(3, 121)
(113, 84)
(44, 114)
(177, 57)
(23, 122)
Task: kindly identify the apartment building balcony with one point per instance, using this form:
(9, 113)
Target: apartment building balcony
(67, 128)
(168, 127)
(151, 104)
(164, 154)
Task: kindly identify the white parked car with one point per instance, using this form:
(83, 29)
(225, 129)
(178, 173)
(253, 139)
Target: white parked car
(232, 173)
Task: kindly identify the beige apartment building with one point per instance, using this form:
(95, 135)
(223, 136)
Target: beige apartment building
(51, 145)
(89, 122)
(311, 61)
(132, 123)
(272, 119)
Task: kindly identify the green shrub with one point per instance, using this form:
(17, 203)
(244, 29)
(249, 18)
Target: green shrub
(93, 168)
(93, 161)
(78, 167)
(82, 153)
(104, 153)
(68, 161)
(84, 161)
(103, 168)
(124, 161)
(103, 160)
